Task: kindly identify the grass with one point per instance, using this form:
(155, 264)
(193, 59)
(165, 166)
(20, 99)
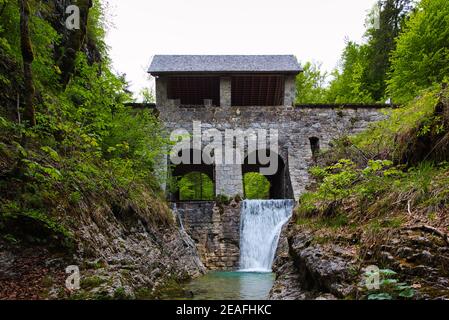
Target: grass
(371, 185)
(92, 282)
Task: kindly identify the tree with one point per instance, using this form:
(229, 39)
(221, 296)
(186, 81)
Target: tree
(364, 67)
(347, 85)
(28, 58)
(147, 95)
(421, 58)
(72, 42)
(310, 84)
(381, 42)
(196, 186)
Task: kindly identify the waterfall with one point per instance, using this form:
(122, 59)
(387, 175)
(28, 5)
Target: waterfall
(177, 216)
(261, 222)
(182, 232)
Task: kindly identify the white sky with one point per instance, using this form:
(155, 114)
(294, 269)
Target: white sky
(313, 30)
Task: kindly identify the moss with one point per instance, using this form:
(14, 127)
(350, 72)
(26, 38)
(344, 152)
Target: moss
(89, 283)
(172, 287)
(120, 294)
(223, 200)
(144, 293)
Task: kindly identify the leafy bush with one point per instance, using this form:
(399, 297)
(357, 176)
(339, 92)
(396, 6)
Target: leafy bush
(342, 181)
(256, 186)
(390, 287)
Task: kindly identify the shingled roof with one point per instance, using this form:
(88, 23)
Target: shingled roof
(163, 64)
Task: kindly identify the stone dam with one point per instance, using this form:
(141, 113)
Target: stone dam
(241, 94)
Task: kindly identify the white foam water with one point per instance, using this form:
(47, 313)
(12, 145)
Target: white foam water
(261, 222)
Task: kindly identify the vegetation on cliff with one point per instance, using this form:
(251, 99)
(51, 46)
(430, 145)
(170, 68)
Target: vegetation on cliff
(83, 141)
(382, 194)
(401, 162)
(382, 184)
(79, 169)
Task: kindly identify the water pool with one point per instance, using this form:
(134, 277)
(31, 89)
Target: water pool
(228, 286)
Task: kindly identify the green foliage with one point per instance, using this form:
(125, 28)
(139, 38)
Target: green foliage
(390, 287)
(256, 186)
(136, 136)
(222, 199)
(379, 187)
(347, 85)
(336, 180)
(380, 42)
(43, 38)
(343, 180)
(97, 26)
(147, 95)
(86, 143)
(310, 84)
(363, 72)
(196, 186)
(421, 58)
(380, 136)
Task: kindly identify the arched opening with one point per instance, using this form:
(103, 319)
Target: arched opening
(279, 181)
(314, 146)
(256, 186)
(195, 186)
(192, 182)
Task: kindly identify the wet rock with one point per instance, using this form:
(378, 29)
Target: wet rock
(316, 270)
(287, 285)
(326, 296)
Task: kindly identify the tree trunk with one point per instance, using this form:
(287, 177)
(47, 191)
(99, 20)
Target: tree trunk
(73, 42)
(28, 57)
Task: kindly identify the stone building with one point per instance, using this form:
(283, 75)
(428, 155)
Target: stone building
(250, 92)
(245, 93)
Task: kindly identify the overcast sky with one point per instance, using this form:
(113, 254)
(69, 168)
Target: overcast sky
(313, 30)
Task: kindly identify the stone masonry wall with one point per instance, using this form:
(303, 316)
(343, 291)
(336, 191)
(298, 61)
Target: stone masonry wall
(290, 91)
(295, 127)
(225, 92)
(215, 229)
(228, 180)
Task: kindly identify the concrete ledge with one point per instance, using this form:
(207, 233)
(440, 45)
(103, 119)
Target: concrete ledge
(297, 107)
(346, 106)
(139, 105)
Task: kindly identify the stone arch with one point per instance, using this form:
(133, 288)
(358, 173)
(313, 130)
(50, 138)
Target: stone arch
(280, 185)
(180, 170)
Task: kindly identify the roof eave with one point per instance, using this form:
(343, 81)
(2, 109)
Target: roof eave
(287, 72)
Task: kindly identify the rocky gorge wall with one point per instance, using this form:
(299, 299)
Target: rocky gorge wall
(307, 267)
(120, 252)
